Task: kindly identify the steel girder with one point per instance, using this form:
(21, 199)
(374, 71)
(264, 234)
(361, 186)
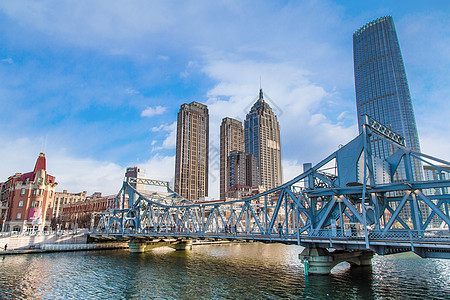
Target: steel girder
(339, 202)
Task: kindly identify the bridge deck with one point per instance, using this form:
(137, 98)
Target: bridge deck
(411, 241)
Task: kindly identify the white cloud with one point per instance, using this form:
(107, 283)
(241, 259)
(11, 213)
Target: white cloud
(153, 111)
(163, 57)
(72, 173)
(307, 134)
(160, 167)
(84, 174)
(170, 139)
(130, 91)
(7, 60)
(163, 127)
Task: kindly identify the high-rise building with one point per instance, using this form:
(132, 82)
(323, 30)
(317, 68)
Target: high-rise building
(231, 139)
(432, 173)
(242, 170)
(191, 160)
(381, 87)
(262, 139)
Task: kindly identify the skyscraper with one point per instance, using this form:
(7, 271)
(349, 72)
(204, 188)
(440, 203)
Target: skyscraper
(192, 149)
(242, 170)
(262, 139)
(381, 86)
(231, 138)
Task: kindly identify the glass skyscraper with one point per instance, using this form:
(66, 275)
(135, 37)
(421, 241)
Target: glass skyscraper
(381, 86)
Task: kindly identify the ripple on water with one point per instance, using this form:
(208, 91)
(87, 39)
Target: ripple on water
(243, 271)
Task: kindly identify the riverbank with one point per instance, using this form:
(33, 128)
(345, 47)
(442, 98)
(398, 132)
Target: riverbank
(48, 248)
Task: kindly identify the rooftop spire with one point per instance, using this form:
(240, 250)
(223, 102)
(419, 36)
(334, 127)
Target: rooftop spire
(260, 90)
(40, 163)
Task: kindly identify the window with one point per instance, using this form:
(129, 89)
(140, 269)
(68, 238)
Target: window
(20, 203)
(19, 216)
(22, 192)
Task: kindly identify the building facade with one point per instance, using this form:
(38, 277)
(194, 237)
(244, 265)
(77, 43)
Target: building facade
(437, 173)
(27, 199)
(381, 87)
(63, 198)
(262, 139)
(79, 214)
(136, 172)
(231, 139)
(431, 173)
(242, 170)
(192, 150)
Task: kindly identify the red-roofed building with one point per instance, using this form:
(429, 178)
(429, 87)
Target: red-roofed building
(27, 199)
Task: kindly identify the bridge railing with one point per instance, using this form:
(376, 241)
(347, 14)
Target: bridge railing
(392, 235)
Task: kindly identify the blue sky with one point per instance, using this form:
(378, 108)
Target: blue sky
(97, 84)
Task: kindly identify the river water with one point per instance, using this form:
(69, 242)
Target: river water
(230, 271)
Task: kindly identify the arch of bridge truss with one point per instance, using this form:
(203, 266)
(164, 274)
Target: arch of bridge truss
(337, 197)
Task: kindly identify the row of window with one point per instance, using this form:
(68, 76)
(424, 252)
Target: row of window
(33, 203)
(36, 192)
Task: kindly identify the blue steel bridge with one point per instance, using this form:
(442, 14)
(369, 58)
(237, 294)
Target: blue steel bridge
(346, 208)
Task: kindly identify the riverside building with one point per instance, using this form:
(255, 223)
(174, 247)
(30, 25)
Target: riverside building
(231, 139)
(381, 86)
(27, 199)
(382, 91)
(192, 150)
(262, 140)
(242, 172)
(64, 198)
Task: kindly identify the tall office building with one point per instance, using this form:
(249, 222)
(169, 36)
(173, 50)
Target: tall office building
(262, 139)
(242, 170)
(192, 149)
(381, 86)
(231, 139)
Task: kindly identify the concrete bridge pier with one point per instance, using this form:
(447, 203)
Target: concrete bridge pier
(140, 246)
(319, 261)
(182, 245)
(137, 246)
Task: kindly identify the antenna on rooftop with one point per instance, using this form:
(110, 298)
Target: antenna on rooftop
(44, 143)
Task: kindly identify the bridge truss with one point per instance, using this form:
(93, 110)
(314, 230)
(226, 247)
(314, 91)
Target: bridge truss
(349, 201)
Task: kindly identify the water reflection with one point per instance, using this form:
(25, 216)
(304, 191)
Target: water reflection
(216, 272)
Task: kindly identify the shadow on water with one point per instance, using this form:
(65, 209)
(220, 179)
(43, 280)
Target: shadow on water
(344, 282)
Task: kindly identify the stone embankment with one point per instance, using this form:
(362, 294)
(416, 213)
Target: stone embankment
(52, 242)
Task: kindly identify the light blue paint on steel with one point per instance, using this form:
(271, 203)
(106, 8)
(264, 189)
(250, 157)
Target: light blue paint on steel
(318, 208)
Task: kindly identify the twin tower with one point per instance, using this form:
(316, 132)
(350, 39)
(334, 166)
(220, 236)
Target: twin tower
(250, 155)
